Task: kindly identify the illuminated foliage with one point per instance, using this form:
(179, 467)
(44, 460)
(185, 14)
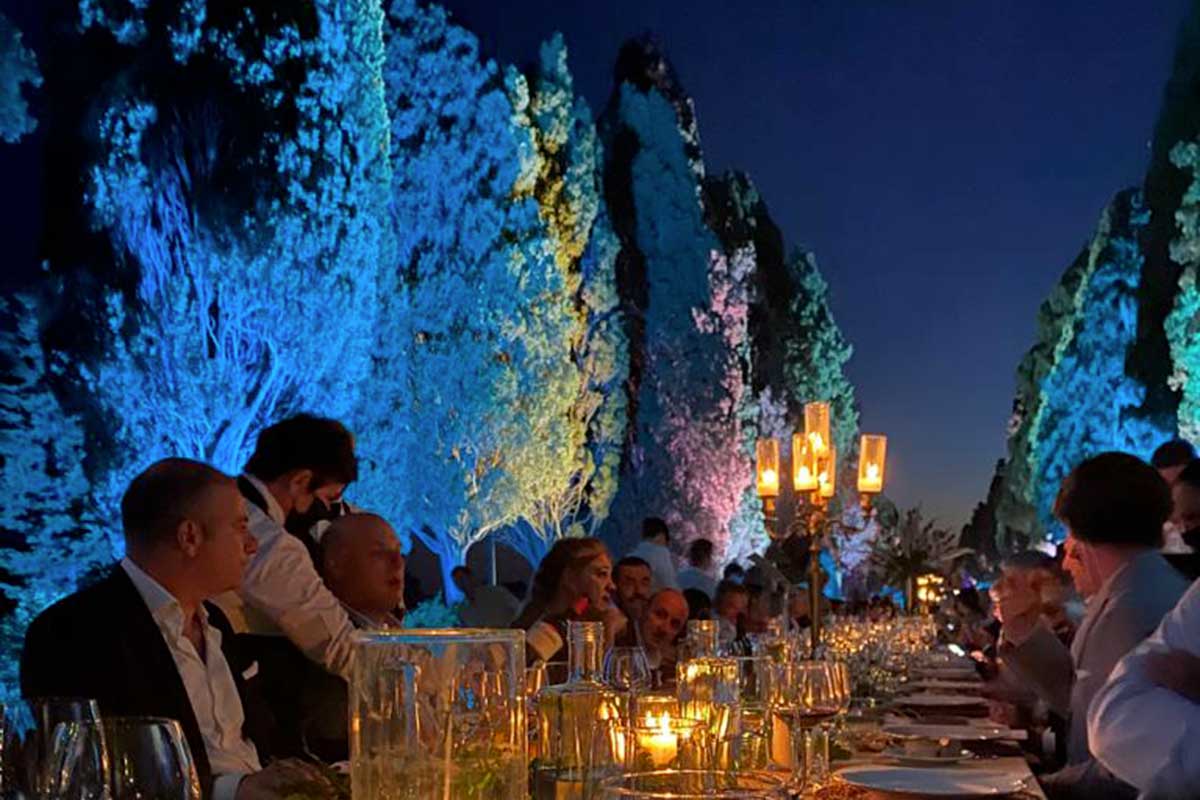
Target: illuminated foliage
(18, 67)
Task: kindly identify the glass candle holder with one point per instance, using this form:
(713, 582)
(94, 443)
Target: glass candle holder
(695, 785)
(657, 742)
(439, 714)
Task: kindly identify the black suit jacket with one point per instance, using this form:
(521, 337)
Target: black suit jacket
(102, 643)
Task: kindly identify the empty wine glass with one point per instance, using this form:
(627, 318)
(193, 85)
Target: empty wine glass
(627, 669)
(803, 696)
(40, 752)
(126, 758)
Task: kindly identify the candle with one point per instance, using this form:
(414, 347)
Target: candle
(659, 740)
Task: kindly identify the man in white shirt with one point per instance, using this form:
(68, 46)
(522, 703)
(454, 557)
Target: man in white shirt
(143, 642)
(654, 550)
(1144, 723)
(286, 610)
(698, 574)
(485, 606)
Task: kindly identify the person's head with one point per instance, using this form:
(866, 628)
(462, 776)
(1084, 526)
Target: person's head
(663, 619)
(633, 580)
(303, 459)
(699, 604)
(575, 571)
(1041, 573)
(732, 601)
(185, 524)
(655, 530)
(464, 579)
(700, 553)
(1185, 498)
(734, 572)
(1171, 457)
(1113, 506)
(362, 563)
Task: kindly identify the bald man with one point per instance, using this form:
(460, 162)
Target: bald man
(363, 566)
(663, 620)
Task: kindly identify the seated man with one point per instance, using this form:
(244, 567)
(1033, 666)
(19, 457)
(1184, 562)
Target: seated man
(485, 606)
(363, 566)
(698, 574)
(144, 641)
(659, 628)
(731, 603)
(1113, 506)
(632, 578)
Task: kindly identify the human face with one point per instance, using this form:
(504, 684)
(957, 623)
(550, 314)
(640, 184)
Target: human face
(594, 582)
(664, 618)
(367, 572)
(221, 555)
(1169, 474)
(1080, 562)
(733, 606)
(303, 495)
(1186, 507)
(633, 589)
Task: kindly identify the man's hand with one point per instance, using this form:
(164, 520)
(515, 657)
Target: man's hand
(281, 778)
(1176, 670)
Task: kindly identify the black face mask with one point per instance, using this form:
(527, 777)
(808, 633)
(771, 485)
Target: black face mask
(1191, 538)
(300, 523)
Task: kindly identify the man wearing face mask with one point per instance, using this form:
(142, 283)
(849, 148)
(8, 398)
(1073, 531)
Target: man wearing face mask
(1113, 506)
(283, 607)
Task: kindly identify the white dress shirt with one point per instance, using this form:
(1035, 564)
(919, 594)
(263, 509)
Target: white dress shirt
(1150, 736)
(662, 568)
(209, 684)
(282, 594)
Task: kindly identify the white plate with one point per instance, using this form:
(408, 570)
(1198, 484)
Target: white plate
(931, 700)
(912, 760)
(939, 782)
(963, 733)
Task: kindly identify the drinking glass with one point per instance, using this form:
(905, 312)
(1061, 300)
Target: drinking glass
(41, 753)
(125, 758)
(803, 696)
(627, 669)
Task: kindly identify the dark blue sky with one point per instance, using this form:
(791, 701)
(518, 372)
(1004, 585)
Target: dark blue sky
(945, 160)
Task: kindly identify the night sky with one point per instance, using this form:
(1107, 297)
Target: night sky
(945, 160)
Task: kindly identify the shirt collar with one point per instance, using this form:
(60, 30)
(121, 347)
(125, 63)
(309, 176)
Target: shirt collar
(163, 606)
(274, 510)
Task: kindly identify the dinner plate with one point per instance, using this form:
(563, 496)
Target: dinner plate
(934, 700)
(942, 685)
(937, 782)
(913, 760)
(963, 733)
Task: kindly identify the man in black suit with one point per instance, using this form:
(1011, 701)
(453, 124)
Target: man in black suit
(144, 641)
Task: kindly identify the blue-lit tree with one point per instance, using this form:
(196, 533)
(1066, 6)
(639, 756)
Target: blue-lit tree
(48, 543)
(1087, 403)
(18, 68)
(254, 295)
(473, 379)
(1183, 323)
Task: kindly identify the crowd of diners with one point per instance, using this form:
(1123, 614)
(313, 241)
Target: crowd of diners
(236, 606)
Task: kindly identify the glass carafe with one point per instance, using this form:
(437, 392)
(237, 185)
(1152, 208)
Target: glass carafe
(580, 731)
(439, 715)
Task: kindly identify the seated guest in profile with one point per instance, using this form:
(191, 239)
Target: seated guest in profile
(633, 580)
(573, 582)
(733, 572)
(655, 550)
(731, 604)
(1113, 506)
(660, 626)
(1171, 457)
(699, 572)
(1185, 522)
(363, 566)
(1144, 724)
(485, 606)
(145, 641)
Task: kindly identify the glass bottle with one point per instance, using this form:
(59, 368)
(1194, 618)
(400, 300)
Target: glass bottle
(707, 683)
(580, 734)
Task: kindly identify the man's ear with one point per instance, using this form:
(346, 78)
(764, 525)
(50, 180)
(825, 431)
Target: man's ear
(189, 536)
(300, 481)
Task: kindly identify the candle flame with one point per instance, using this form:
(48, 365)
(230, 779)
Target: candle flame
(769, 477)
(872, 472)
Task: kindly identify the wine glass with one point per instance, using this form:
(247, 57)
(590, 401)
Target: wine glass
(803, 696)
(126, 758)
(627, 669)
(40, 753)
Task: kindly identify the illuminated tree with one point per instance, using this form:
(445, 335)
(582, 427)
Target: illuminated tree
(1183, 323)
(18, 67)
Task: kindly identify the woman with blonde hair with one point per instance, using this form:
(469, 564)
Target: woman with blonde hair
(573, 582)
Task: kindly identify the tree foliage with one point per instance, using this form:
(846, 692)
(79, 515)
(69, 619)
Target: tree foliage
(18, 68)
